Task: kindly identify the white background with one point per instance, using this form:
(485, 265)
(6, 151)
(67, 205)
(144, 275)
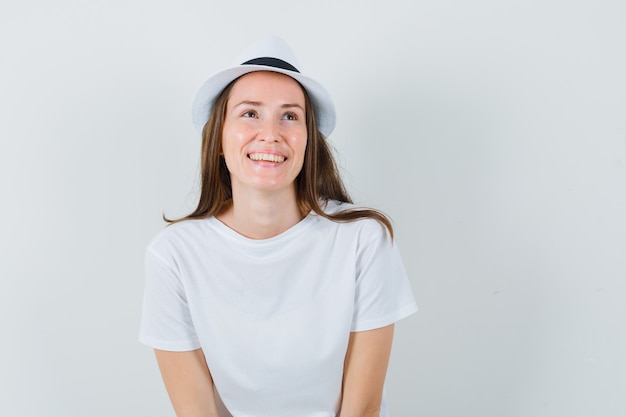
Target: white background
(493, 133)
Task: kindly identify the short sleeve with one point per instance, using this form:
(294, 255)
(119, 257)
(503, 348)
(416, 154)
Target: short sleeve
(166, 322)
(383, 294)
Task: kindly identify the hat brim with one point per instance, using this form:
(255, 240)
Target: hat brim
(208, 92)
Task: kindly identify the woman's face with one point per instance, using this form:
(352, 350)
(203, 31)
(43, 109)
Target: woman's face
(264, 136)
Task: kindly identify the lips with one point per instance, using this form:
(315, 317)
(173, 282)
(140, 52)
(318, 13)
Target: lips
(267, 157)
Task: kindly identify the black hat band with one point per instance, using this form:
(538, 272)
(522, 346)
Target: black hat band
(272, 62)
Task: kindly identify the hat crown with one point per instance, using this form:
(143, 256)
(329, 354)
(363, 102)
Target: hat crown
(270, 47)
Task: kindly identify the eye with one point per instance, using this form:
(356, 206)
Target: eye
(249, 113)
(290, 116)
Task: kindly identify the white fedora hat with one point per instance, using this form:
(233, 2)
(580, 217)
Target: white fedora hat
(269, 54)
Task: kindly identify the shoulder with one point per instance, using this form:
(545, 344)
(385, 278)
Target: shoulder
(363, 229)
(177, 236)
(334, 206)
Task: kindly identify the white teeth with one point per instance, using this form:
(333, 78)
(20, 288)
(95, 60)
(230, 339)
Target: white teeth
(266, 157)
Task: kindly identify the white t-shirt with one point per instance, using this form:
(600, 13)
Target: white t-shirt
(273, 316)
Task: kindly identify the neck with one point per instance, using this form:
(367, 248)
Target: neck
(262, 215)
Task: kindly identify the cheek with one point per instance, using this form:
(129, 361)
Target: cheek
(299, 142)
(231, 139)
(303, 150)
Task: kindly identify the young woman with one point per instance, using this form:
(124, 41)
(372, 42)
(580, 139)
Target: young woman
(276, 297)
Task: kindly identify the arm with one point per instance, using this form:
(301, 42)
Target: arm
(188, 382)
(364, 372)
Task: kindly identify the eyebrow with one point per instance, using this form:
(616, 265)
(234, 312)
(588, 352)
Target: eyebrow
(247, 103)
(258, 103)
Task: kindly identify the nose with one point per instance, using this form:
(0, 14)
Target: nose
(269, 131)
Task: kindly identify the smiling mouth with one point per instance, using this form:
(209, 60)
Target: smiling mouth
(266, 157)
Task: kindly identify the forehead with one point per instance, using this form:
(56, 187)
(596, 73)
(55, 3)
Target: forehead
(267, 85)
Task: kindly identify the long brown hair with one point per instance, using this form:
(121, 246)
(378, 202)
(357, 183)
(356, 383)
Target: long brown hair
(318, 181)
